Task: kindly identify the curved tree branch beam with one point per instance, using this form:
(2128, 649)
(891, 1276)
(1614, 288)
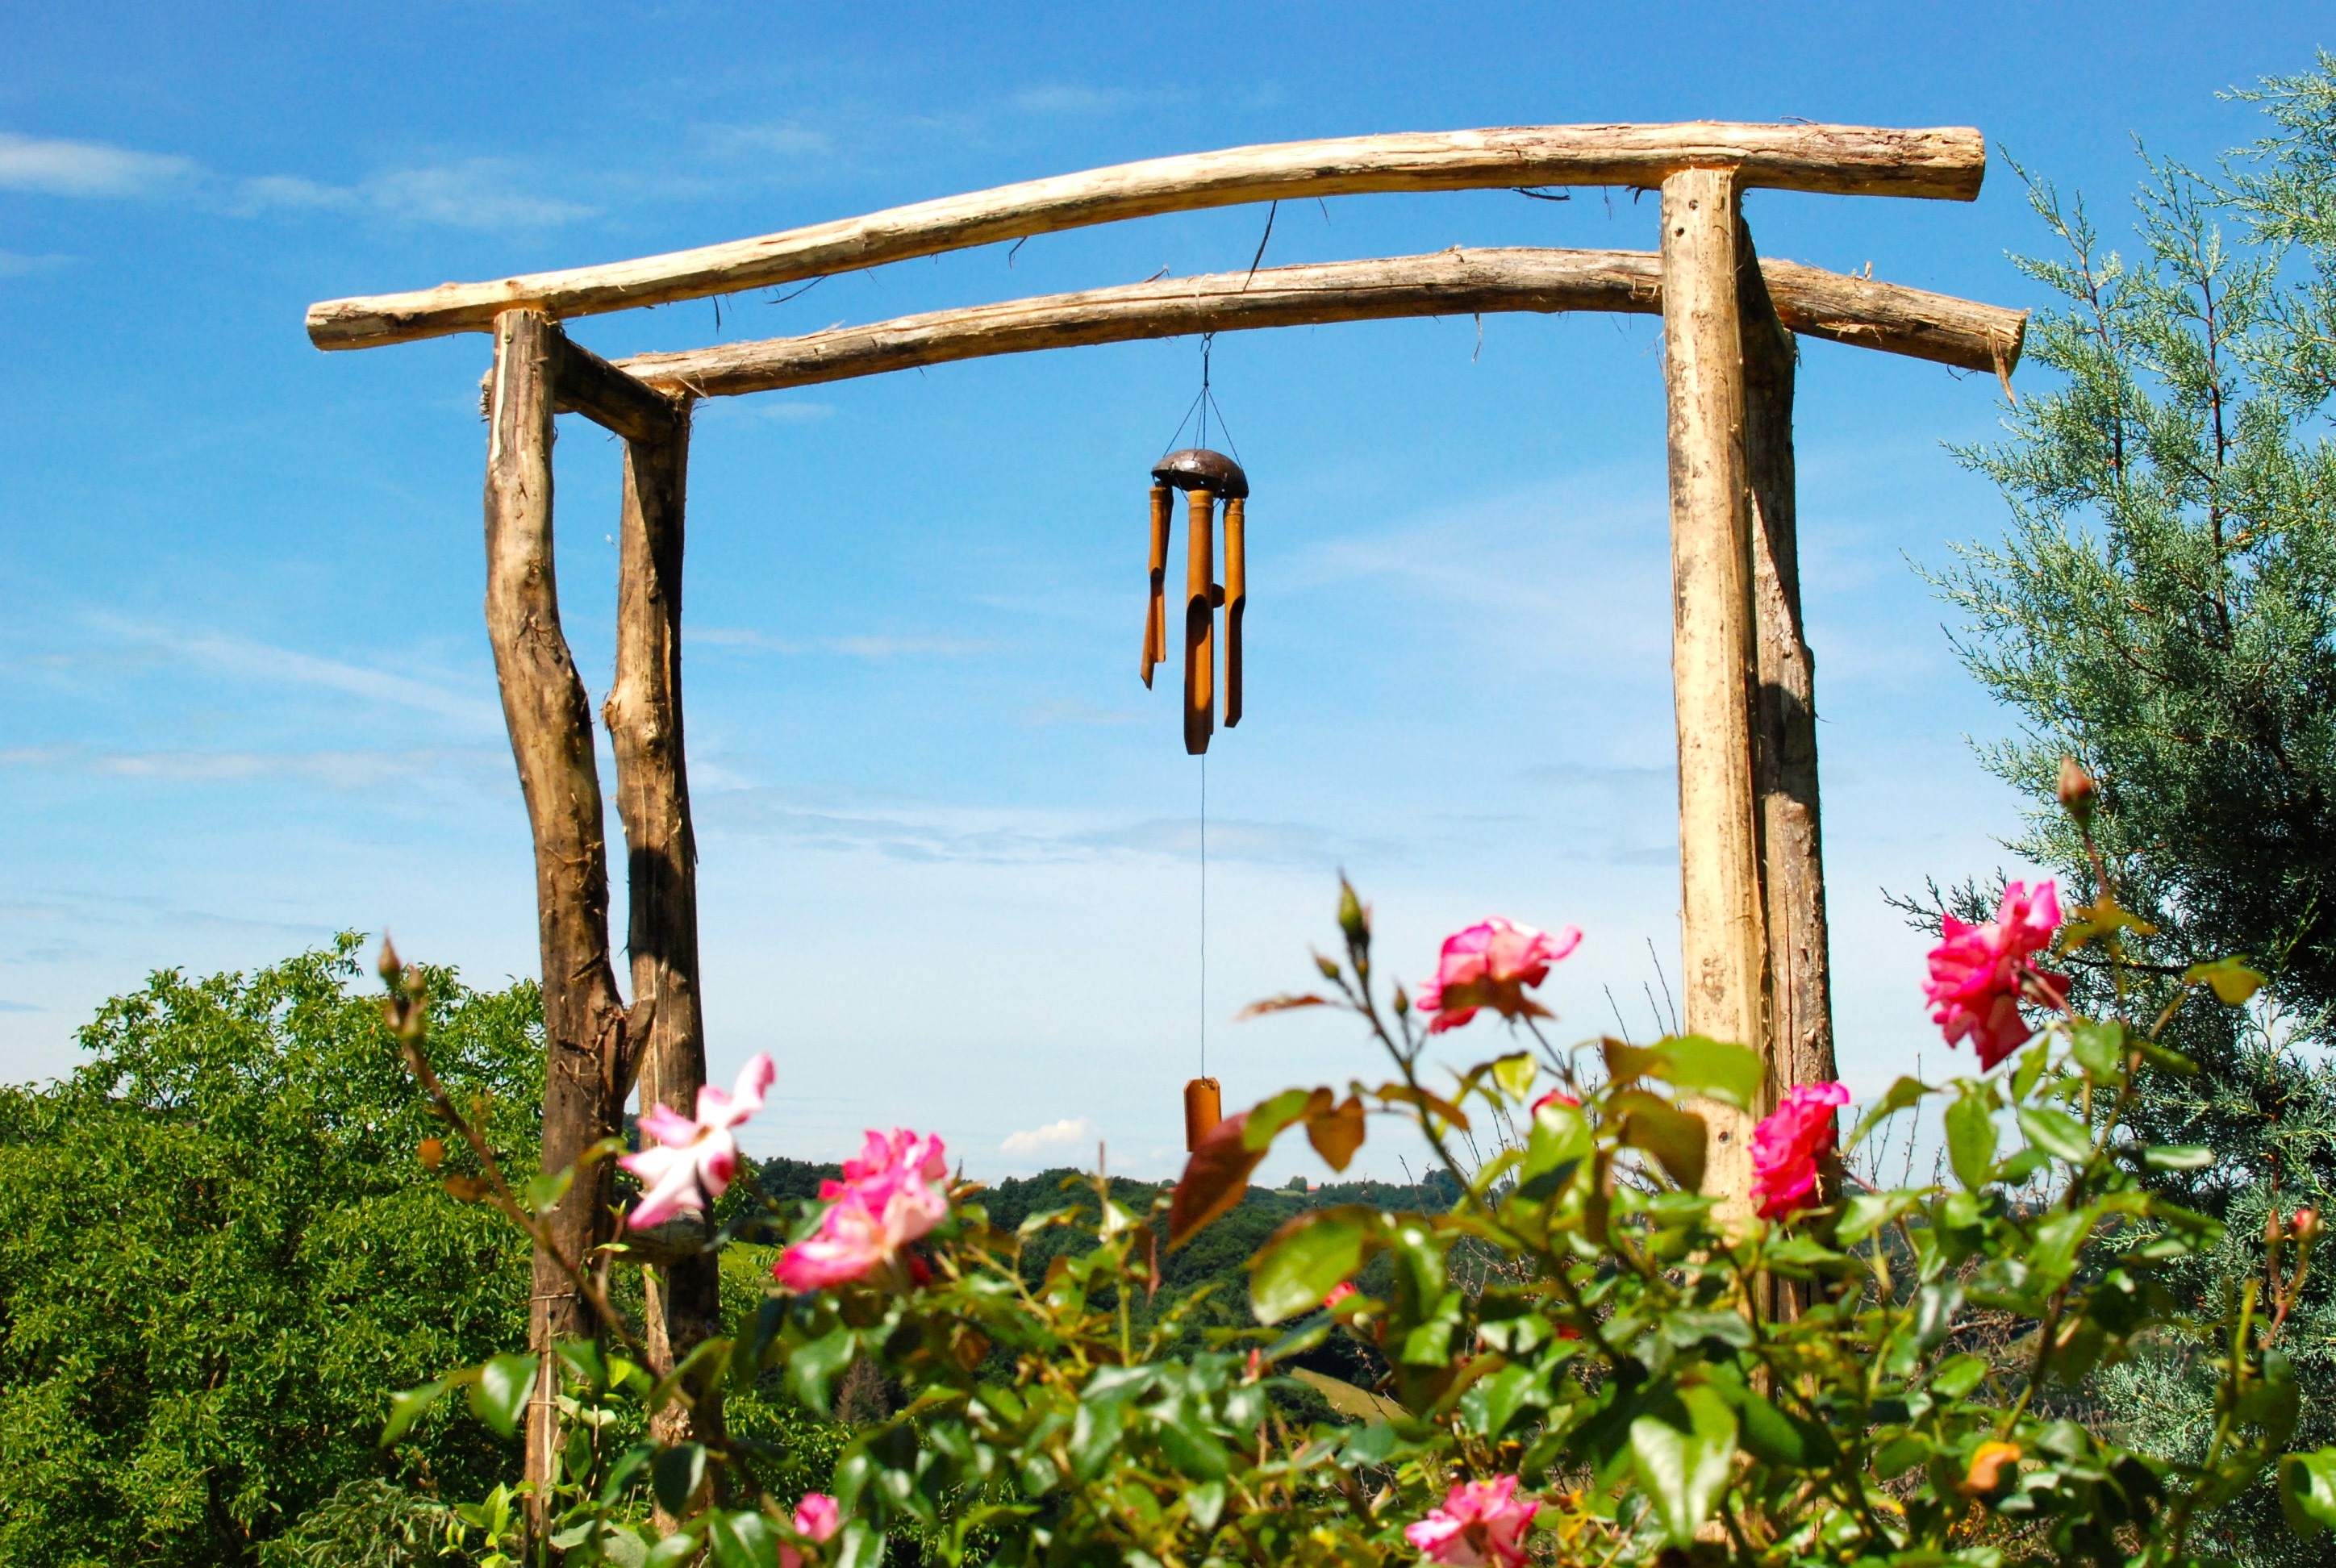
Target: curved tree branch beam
(1944, 163)
(1853, 310)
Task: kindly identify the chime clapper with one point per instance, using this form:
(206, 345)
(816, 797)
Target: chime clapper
(1204, 1107)
(1205, 476)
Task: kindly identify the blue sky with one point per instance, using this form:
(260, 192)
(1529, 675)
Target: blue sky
(949, 842)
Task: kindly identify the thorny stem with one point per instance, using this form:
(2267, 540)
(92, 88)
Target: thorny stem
(407, 1010)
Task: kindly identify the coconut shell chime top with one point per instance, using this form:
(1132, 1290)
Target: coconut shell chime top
(1205, 477)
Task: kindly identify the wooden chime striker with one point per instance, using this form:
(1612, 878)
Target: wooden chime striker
(1204, 476)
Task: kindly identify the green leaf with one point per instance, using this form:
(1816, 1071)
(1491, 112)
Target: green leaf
(582, 1358)
(1905, 1092)
(1267, 1120)
(1673, 1136)
(1094, 1435)
(858, 1547)
(672, 1551)
(1971, 1135)
(2307, 1492)
(1683, 1463)
(541, 1193)
(1698, 1066)
(406, 1408)
(1560, 1133)
(674, 1476)
(2178, 1157)
(500, 1393)
(2057, 1132)
(1935, 1306)
(1958, 1376)
(2231, 980)
(1494, 1401)
(1306, 1258)
(1191, 1448)
(813, 1367)
(1514, 1074)
(740, 1540)
(2098, 1047)
(1867, 1212)
(1205, 1504)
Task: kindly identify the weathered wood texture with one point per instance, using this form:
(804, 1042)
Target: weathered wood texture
(1723, 946)
(1845, 159)
(1785, 723)
(588, 384)
(550, 725)
(1456, 282)
(644, 716)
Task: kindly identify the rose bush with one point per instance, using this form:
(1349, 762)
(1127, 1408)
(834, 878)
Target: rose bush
(1585, 1359)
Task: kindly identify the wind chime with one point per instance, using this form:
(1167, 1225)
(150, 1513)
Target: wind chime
(1205, 477)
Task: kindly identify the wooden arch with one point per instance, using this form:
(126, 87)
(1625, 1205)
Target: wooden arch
(1752, 889)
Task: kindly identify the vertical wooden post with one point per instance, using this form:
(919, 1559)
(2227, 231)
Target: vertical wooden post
(550, 725)
(1785, 722)
(643, 713)
(1723, 941)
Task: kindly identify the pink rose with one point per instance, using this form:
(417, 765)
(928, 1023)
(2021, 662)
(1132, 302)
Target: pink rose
(816, 1519)
(1489, 965)
(1556, 1097)
(1339, 1292)
(1979, 973)
(692, 1162)
(894, 1193)
(1480, 1523)
(1788, 1145)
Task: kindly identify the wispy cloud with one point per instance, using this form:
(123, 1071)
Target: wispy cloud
(1069, 1133)
(8, 1007)
(55, 167)
(287, 666)
(1066, 98)
(488, 193)
(16, 264)
(347, 769)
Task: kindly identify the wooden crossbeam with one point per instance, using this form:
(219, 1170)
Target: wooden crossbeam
(1830, 305)
(1943, 163)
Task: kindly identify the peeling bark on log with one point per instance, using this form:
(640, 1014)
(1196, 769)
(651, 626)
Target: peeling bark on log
(1784, 730)
(550, 725)
(644, 716)
(1946, 163)
(1830, 305)
(1722, 944)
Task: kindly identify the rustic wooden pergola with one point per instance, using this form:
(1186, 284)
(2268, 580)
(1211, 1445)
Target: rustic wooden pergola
(1752, 885)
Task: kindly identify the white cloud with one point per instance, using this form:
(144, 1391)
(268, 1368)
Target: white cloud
(478, 193)
(60, 168)
(283, 665)
(1065, 99)
(1070, 1132)
(16, 264)
(341, 769)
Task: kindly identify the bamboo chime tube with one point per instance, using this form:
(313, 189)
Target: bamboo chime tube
(1200, 623)
(1204, 1107)
(1236, 601)
(1156, 619)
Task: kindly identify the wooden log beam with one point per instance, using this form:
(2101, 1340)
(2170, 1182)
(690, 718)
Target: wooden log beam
(1946, 163)
(1456, 282)
(584, 383)
(1785, 723)
(1723, 943)
(644, 716)
(550, 725)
